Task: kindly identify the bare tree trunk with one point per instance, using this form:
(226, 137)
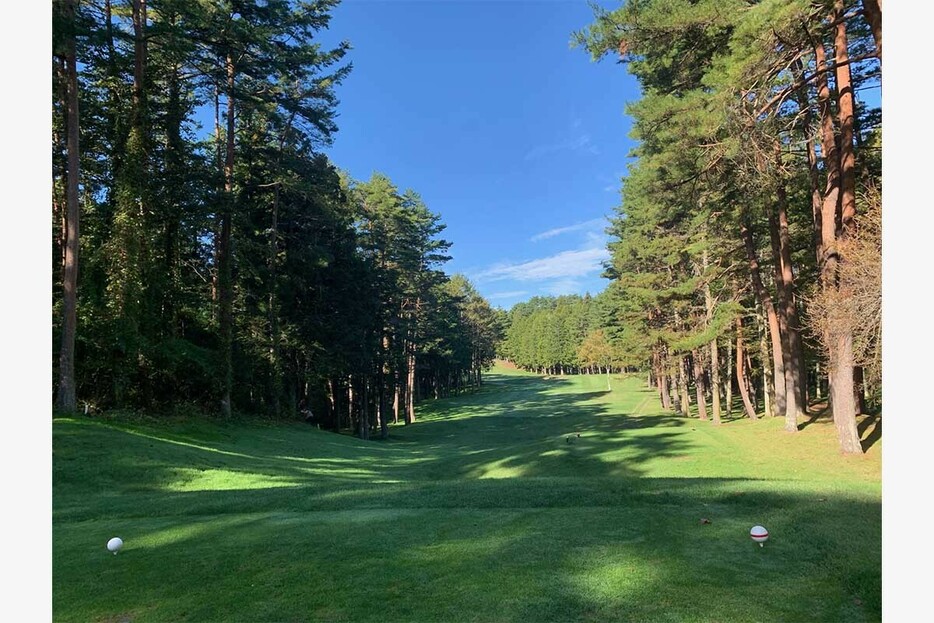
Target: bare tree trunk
(714, 357)
(873, 11)
(729, 377)
(351, 411)
(225, 252)
(66, 379)
(840, 166)
(846, 113)
(382, 410)
(795, 367)
(410, 387)
(765, 300)
(801, 95)
(740, 371)
(699, 386)
(817, 379)
(397, 389)
(750, 383)
(859, 386)
(661, 376)
(683, 386)
(332, 402)
(768, 388)
(842, 399)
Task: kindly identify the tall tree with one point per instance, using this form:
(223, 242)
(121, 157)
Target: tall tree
(66, 49)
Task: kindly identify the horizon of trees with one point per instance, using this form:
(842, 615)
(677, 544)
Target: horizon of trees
(235, 269)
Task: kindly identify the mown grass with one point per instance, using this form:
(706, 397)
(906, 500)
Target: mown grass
(489, 508)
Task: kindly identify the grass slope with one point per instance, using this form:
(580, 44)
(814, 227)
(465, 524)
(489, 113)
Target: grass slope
(481, 511)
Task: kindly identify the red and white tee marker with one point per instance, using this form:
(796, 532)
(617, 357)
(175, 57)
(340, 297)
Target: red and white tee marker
(759, 534)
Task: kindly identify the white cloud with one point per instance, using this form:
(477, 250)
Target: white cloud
(592, 224)
(581, 143)
(563, 286)
(507, 295)
(564, 265)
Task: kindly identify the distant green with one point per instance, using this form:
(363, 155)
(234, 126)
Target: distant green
(533, 499)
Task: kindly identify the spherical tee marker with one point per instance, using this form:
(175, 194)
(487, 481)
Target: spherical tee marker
(759, 534)
(115, 544)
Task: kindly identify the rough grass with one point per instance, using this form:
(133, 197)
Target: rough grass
(481, 511)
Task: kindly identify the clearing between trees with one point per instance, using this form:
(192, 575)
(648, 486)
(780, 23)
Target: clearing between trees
(529, 499)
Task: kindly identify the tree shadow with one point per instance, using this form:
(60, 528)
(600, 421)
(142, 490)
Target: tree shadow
(567, 551)
(869, 440)
(818, 411)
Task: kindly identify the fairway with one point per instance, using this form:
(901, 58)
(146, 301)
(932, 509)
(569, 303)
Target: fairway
(531, 499)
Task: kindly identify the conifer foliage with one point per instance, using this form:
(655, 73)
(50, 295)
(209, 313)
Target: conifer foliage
(749, 220)
(226, 264)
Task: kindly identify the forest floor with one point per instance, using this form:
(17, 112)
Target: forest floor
(528, 500)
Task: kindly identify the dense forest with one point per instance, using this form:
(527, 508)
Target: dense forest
(233, 268)
(746, 252)
(227, 266)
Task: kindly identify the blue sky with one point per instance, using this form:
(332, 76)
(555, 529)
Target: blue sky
(515, 139)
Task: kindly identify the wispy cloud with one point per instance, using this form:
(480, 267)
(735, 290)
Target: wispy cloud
(564, 265)
(563, 286)
(511, 294)
(581, 143)
(592, 224)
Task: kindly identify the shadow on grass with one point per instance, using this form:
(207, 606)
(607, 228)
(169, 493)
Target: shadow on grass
(496, 550)
(870, 437)
(513, 426)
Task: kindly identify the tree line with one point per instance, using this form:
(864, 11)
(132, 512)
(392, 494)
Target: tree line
(226, 264)
(750, 220)
(745, 256)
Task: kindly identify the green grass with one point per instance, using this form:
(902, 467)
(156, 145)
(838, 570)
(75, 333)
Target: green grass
(481, 511)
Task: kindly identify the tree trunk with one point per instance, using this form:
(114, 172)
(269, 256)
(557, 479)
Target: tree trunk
(66, 379)
(396, 398)
(768, 387)
(714, 356)
(741, 373)
(683, 386)
(729, 377)
(272, 312)
(661, 376)
(699, 386)
(225, 251)
(807, 119)
(765, 300)
(382, 409)
(410, 387)
(817, 381)
(859, 390)
(873, 11)
(839, 199)
(275, 364)
(795, 366)
(842, 399)
(846, 113)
